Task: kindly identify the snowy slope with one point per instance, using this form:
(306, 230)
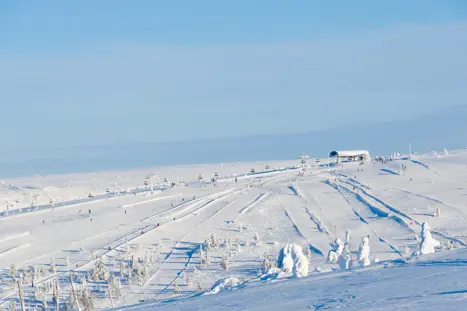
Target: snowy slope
(430, 283)
(176, 242)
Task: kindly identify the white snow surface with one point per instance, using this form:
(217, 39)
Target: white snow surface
(151, 241)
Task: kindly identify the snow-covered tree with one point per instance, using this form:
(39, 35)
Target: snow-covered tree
(115, 287)
(53, 266)
(406, 250)
(224, 263)
(345, 260)
(85, 301)
(211, 243)
(428, 243)
(348, 238)
(176, 288)
(334, 254)
(364, 252)
(292, 260)
(437, 212)
(256, 239)
(13, 270)
(100, 272)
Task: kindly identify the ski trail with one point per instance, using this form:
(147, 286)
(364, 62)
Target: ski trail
(312, 247)
(402, 214)
(425, 166)
(258, 199)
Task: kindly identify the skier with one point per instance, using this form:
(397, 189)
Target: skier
(89, 211)
(125, 212)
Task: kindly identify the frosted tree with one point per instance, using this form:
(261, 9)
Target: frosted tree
(86, 301)
(406, 250)
(364, 252)
(334, 254)
(115, 286)
(345, 259)
(100, 271)
(211, 243)
(428, 243)
(348, 238)
(224, 263)
(122, 269)
(13, 270)
(266, 265)
(53, 266)
(437, 212)
(292, 260)
(176, 289)
(256, 239)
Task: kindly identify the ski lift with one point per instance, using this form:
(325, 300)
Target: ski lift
(267, 166)
(90, 195)
(166, 179)
(51, 201)
(107, 190)
(303, 161)
(146, 183)
(216, 175)
(252, 171)
(200, 177)
(317, 161)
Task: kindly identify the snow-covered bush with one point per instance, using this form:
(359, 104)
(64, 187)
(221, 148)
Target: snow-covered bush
(292, 260)
(364, 252)
(428, 243)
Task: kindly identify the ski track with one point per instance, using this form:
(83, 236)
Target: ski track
(425, 166)
(257, 200)
(319, 224)
(192, 252)
(375, 211)
(398, 212)
(311, 246)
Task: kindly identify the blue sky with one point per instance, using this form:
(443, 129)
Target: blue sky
(78, 73)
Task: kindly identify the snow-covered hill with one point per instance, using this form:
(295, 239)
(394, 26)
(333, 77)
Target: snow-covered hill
(127, 245)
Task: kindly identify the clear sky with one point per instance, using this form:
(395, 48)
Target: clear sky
(99, 72)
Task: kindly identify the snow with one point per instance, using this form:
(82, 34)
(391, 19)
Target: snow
(169, 247)
(428, 243)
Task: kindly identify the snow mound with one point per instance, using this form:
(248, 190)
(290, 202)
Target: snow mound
(428, 244)
(223, 284)
(292, 260)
